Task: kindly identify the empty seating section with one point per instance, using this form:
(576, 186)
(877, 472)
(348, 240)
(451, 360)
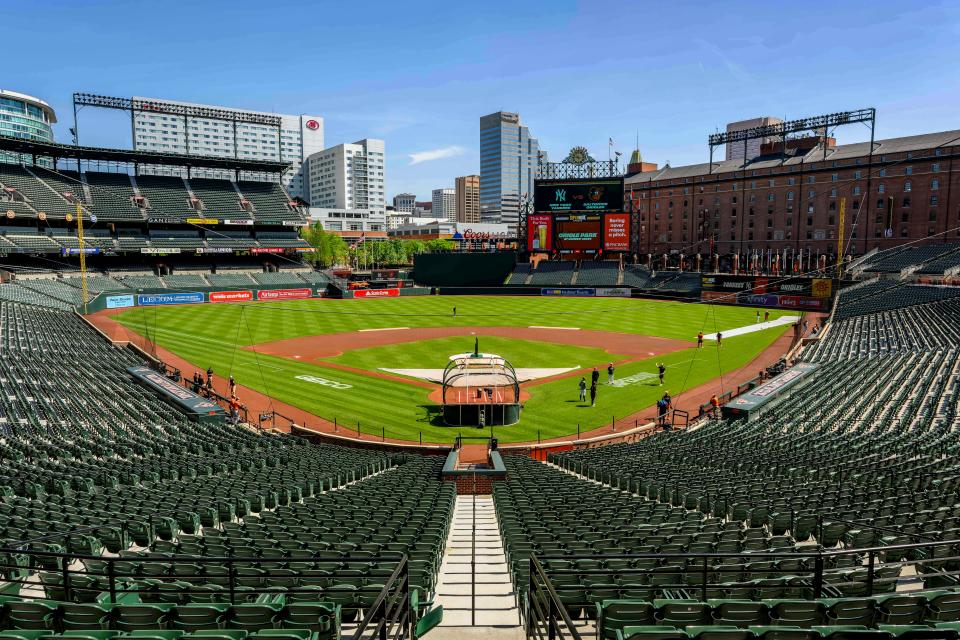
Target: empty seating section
(940, 265)
(916, 328)
(230, 240)
(270, 201)
(185, 280)
(176, 239)
(230, 280)
(519, 274)
(314, 277)
(126, 242)
(39, 196)
(15, 293)
(54, 288)
(142, 282)
(553, 273)
(96, 284)
(33, 242)
(885, 295)
(900, 259)
(64, 183)
(202, 528)
(636, 276)
(598, 274)
(277, 278)
(167, 197)
(286, 240)
(220, 198)
(112, 196)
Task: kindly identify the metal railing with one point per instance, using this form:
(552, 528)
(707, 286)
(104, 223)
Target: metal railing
(562, 588)
(378, 602)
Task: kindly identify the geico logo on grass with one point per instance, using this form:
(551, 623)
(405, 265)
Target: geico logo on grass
(327, 383)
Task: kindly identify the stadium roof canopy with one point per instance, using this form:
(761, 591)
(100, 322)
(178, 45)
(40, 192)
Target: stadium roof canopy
(58, 151)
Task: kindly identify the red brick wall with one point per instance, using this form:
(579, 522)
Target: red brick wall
(671, 211)
(465, 485)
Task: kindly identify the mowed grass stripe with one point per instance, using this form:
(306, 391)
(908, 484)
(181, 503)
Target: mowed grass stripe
(271, 321)
(213, 335)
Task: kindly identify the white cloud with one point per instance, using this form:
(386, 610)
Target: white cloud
(436, 154)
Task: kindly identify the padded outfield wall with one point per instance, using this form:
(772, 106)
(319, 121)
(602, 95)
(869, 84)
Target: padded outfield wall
(463, 269)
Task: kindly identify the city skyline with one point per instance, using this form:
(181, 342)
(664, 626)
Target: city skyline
(423, 94)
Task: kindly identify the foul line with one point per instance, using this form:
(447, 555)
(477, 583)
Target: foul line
(383, 329)
(539, 326)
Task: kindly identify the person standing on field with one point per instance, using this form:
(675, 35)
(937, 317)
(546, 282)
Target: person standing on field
(661, 369)
(719, 338)
(610, 373)
(583, 389)
(594, 376)
(700, 340)
(593, 394)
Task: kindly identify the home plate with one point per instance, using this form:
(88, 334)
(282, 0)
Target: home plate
(523, 375)
(384, 329)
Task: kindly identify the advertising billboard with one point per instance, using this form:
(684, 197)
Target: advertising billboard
(792, 286)
(154, 299)
(539, 232)
(284, 294)
(579, 232)
(578, 195)
(231, 296)
(376, 293)
(616, 232)
(119, 302)
(569, 292)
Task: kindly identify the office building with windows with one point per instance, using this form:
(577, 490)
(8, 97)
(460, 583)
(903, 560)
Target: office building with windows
(299, 136)
(444, 204)
(749, 149)
(508, 166)
(467, 190)
(348, 176)
(23, 116)
(404, 202)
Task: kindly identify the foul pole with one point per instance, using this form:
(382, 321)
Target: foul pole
(843, 211)
(83, 259)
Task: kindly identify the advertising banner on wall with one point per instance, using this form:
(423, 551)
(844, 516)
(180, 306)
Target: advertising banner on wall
(267, 250)
(539, 232)
(793, 286)
(615, 292)
(376, 293)
(119, 302)
(231, 296)
(569, 292)
(154, 299)
(616, 232)
(284, 294)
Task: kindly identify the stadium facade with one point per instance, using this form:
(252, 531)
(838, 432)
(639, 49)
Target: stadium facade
(299, 137)
(24, 116)
(790, 198)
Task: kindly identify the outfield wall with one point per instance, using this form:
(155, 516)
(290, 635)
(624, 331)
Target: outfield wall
(463, 269)
(127, 298)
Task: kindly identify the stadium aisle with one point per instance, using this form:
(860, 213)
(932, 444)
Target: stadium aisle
(495, 603)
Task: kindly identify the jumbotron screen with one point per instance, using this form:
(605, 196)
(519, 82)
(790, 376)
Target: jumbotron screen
(579, 233)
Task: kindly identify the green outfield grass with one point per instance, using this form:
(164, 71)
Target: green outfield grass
(213, 335)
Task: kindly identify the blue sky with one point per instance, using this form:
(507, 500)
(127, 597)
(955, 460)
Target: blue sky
(420, 74)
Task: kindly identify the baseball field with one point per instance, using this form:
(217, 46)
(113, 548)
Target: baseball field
(343, 360)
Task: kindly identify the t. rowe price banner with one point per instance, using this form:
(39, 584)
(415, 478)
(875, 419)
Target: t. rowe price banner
(376, 293)
(231, 296)
(616, 232)
(539, 232)
(284, 294)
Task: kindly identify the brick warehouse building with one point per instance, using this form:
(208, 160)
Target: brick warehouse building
(789, 200)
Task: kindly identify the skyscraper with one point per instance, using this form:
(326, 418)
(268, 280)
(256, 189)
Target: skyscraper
(735, 151)
(445, 204)
(468, 198)
(299, 136)
(508, 166)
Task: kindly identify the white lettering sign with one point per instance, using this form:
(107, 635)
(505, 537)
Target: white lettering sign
(326, 383)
